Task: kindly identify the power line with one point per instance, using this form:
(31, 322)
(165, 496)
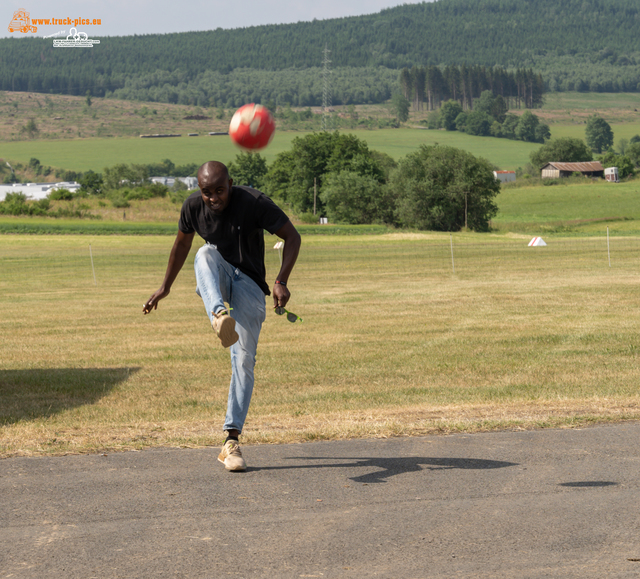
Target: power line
(326, 91)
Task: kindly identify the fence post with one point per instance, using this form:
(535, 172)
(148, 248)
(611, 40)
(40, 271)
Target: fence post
(93, 269)
(453, 265)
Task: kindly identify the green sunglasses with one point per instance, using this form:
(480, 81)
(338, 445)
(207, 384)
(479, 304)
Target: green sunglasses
(290, 315)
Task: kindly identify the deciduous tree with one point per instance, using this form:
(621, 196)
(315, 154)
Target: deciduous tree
(291, 176)
(91, 183)
(349, 197)
(248, 168)
(624, 164)
(478, 123)
(599, 135)
(400, 107)
(448, 114)
(526, 127)
(444, 188)
(561, 150)
(633, 152)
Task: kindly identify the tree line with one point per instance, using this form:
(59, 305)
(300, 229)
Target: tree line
(575, 45)
(338, 176)
(325, 173)
(489, 117)
(483, 32)
(295, 87)
(430, 85)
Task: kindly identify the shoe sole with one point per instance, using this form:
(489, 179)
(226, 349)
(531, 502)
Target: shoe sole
(241, 469)
(227, 331)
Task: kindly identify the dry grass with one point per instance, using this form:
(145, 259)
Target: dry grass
(392, 343)
(69, 117)
(156, 210)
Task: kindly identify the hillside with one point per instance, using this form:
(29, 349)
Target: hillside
(72, 135)
(573, 43)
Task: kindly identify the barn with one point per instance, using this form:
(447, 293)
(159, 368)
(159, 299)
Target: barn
(557, 170)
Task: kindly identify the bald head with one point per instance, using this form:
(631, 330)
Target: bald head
(215, 185)
(213, 170)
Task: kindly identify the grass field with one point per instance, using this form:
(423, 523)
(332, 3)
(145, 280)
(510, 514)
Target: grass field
(591, 100)
(119, 120)
(574, 108)
(95, 154)
(571, 208)
(85, 154)
(620, 131)
(393, 342)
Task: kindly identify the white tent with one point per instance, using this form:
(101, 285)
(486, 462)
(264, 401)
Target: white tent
(537, 242)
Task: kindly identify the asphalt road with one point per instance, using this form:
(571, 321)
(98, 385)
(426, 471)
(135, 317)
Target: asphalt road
(549, 503)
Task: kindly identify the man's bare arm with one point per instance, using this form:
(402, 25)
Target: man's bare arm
(292, 242)
(177, 257)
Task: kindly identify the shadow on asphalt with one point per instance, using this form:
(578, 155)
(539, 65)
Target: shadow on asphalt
(393, 466)
(589, 483)
(42, 392)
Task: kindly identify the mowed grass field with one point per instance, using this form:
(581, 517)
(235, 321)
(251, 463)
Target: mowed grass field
(577, 131)
(95, 154)
(573, 208)
(565, 112)
(579, 101)
(397, 339)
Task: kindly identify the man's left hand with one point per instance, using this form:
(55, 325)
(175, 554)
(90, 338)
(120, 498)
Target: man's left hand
(281, 295)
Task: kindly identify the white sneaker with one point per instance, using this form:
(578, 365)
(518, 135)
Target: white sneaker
(231, 456)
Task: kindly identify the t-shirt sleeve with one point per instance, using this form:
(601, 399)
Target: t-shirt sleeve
(272, 218)
(186, 217)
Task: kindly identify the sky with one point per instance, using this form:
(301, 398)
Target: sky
(124, 18)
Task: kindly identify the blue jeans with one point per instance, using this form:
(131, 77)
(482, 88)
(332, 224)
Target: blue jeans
(219, 282)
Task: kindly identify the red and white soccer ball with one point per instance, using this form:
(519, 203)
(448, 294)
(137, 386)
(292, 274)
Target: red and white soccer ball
(252, 126)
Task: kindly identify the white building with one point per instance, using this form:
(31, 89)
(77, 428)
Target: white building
(505, 176)
(37, 191)
(190, 182)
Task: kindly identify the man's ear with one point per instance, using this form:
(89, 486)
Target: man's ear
(230, 182)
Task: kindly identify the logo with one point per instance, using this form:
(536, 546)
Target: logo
(21, 22)
(75, 39)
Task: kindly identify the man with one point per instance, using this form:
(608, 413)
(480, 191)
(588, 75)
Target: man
(230, 268)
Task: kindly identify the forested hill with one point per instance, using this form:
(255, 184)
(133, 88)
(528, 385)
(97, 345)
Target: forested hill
(554, 37)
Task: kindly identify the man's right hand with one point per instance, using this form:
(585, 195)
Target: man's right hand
(152, 302)
(179, 253)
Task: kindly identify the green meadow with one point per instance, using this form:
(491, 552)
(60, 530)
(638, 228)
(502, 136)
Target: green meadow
(565, 112)
(573, 208)
(577, 131)
(581, 101)
(95, 154)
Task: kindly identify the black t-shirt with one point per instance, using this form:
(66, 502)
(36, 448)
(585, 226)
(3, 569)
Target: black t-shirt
(238, 231)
